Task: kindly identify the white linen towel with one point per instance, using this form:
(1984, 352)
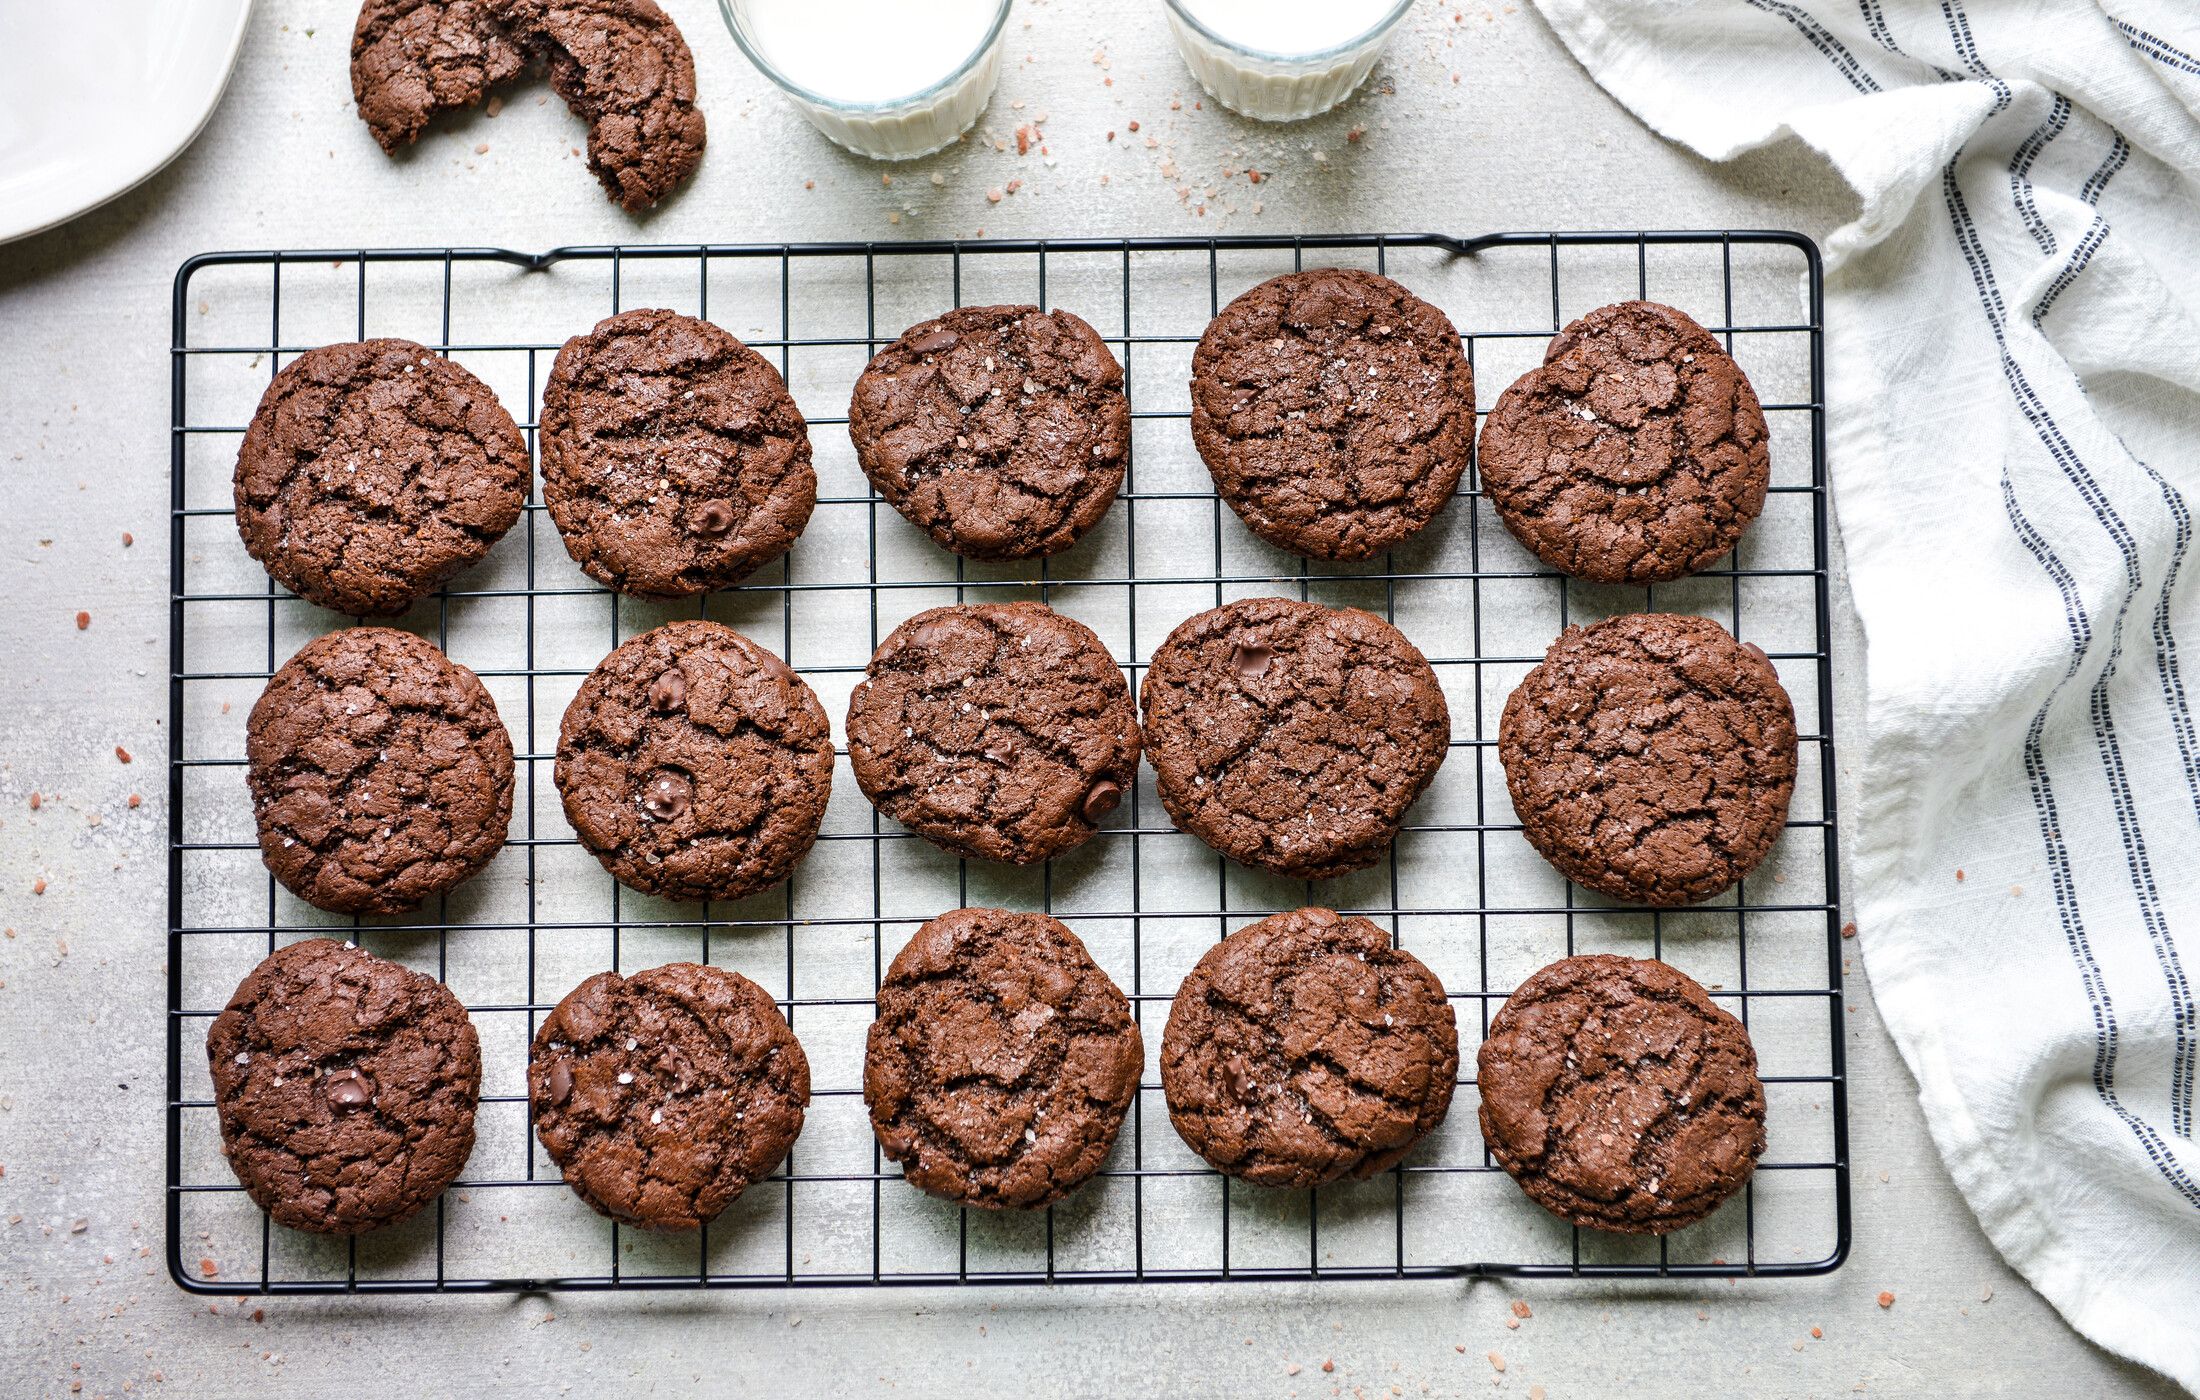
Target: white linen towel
(2013, 352)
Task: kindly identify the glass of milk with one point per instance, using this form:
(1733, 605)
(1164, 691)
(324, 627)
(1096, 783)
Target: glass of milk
(888, 79)
(1280, 60)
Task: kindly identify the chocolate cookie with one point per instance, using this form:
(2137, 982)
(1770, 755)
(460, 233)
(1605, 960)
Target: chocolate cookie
(372, 472)
(1001, 431)
(1305, 1048)
(673, 459)
(380, 772)
(695, 764)
(623, 67)
(997, 730)
(411, 59)
(1334, 409)
(663, 1096)
(1650, 757)
(1291, 736)
(1619, 1096)
(345, 1085)
(1636, 453)
(1002, 1060)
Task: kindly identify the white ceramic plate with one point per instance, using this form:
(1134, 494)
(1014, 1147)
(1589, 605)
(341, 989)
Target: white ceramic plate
(96, 95)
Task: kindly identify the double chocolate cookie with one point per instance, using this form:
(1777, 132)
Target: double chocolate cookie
(372, 472)
(379, 770)
(663, 1096)
(997, 730)
(1620, 1096)
(1650, 757)
(1335, 410)
(695, 764)
(1636, 453)
(621, 65)
(345, 1086)
(673, 459)
(1001, 431)
(1305, 1048)
(1002, 1060)
(1290, 736)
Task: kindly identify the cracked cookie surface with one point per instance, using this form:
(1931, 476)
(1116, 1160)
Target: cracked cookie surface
(664, 1095)
(695, 764)
(1335, 411)
(372, 472)
(379, 770)
(345, 1085)
(411, 59)
(673, 459)
(997, 730)
(625, 69)
(1651, 757)
(1001, 431)
(1620, 1096)
(1304, 1048)
(1292, 736)
(1636, 453)
(1002, 1060)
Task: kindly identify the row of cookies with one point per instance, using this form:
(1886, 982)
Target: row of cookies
(1334, 410)
(1649, 756)
(1300, 1050)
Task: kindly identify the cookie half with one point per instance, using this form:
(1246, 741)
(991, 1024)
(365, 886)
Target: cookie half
(695, 764)
(1291, 736)
(1620, 1096)
(1002, 731)
(1651, 757)
(1335, 410)
(1000, 431)
(1002, 1060)
(663, 1096)
(1304, 1048)
(380, 772)
(372, 472)
(346, 1087)
(673, 459)
(1637, 452)
(625, 69)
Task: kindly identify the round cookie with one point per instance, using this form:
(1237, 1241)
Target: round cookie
(379, 770)
(673, 459)
(695, 764)
(1290, 736)
(663, 1096)
(373, 471)
(346, 1087)
(1637, 453)
(1304, 1048)
(411, 59)
(1620, 1096)
(1650, 757)
(997, 730)
(1002, 1060)
(1001, 431)
(623, 67)
(1335, 411)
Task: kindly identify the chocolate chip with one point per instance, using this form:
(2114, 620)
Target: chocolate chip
(668, 795)
(1250, 660)
(669, 691)
(713, 518)
(1103, 798)
(561, 1082)
(932, 342)
(348, 1088)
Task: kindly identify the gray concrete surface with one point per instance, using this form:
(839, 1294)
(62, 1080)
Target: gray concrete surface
(1478, 121)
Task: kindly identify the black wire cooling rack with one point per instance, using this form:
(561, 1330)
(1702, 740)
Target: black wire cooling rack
(1461, 889)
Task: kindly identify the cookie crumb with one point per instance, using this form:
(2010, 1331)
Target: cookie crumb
(83, 620)
(1848, 930)
(1959, 871)
(1886, 1300)
(1329, 1365)
(208, 1268)
(122, 755)
(1497, 1362)
(1817, 1334)
(128, 539)
(38, 886)
(34, 801)
(136, 801)
(1986, 1294)
(1520, 1308)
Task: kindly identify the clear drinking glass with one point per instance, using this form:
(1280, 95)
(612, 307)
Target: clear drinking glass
(931, 116)
(1278, 87)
